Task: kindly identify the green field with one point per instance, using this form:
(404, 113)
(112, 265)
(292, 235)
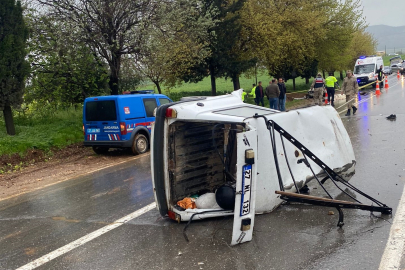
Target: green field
(386, 59)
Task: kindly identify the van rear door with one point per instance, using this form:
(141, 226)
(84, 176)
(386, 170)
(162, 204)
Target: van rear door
(100, 121)
(245, 198)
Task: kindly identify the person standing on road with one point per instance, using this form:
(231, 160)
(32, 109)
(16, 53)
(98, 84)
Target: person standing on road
(330, 87)
(259, 94)
(380, 74)
(318, 85)
(350, 88)
(282, 97)
(273, 93)
(253, 93)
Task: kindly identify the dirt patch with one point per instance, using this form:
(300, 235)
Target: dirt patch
(38, 169)
(300, 95)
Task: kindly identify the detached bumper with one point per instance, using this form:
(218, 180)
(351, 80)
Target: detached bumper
(110, 144)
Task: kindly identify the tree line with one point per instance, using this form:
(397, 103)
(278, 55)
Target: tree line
(58, 52)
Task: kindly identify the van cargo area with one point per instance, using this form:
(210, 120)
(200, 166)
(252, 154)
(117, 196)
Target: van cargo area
(201, 159)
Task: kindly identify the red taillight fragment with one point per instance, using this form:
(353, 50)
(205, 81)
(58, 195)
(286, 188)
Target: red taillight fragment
(172, 215)
(123, 128)
(171, 113)
(84, 133)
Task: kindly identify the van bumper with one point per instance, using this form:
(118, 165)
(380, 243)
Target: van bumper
(110, 144)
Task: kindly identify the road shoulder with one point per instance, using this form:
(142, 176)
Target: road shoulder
(58, 169)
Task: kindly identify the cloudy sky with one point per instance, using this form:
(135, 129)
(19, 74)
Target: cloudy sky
(388, 12)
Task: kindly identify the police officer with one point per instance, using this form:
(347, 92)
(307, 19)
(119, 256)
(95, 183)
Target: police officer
(330, 87)
(350, 88)
(318, 85)
(380, 74)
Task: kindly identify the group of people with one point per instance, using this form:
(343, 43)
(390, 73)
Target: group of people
(275, 93)
(350, 88)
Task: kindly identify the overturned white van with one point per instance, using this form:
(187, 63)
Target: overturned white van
(258, 156)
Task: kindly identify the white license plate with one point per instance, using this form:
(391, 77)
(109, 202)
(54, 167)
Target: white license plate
(246, 188)
(93, 130)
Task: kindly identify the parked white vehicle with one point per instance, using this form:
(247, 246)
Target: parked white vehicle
(365, 69)
(252, 157)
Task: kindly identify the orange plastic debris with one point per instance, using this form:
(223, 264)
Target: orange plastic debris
(187, 203)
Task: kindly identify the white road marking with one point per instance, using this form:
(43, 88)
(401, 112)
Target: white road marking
(83, 240)
(394, 250)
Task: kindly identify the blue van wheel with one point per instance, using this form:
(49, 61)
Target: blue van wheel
(140, 144)
(100, 150)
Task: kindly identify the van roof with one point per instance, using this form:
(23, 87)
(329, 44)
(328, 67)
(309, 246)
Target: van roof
(129, 96)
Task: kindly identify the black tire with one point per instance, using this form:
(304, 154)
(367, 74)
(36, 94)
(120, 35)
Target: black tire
(99, 150)
(140, 144)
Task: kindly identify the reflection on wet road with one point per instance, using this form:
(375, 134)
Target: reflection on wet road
(292, 237)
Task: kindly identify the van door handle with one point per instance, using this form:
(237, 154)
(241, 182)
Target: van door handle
(105, 123)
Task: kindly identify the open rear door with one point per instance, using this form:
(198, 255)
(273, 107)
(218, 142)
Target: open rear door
(244, 214)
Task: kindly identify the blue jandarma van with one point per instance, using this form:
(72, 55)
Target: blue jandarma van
(122, 121)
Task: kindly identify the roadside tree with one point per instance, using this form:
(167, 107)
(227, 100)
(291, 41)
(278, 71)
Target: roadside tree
(112, 28)
(283, 34)
(174, 44)
(13, 66)
(64, 69)
(223, 40)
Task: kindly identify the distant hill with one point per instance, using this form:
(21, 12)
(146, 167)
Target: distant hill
(390, 36)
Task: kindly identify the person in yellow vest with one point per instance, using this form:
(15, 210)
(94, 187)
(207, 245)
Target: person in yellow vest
(330, 88)
(253, 94)
(244, 95)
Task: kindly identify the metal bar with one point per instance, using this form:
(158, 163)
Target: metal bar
(288, 164)
(334, 182)
(309, 166)
(273, 142)
(341, 217)
(320, 163)
(372, 208)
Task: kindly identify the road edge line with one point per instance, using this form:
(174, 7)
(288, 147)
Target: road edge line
(85, 239)
(394, 250)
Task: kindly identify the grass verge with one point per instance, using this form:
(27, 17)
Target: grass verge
(56, 130)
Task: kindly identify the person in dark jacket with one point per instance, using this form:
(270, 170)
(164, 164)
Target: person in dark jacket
(283, 96)
(259, 94)
(380, 73)
(273, 93)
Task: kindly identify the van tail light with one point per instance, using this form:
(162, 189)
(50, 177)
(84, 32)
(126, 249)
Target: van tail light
(174, 216)
(84, 133)
(123, 128)
(171, 113)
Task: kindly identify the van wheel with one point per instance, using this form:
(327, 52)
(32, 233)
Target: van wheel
(100, 150)
(140, 144)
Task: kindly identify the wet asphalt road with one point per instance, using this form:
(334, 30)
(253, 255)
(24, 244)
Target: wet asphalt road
(292, 237)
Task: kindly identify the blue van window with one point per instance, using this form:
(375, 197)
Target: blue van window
(103, 110)
(163, 101)
(150, 105)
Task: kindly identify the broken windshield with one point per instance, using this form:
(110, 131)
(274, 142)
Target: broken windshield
(364, 69)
